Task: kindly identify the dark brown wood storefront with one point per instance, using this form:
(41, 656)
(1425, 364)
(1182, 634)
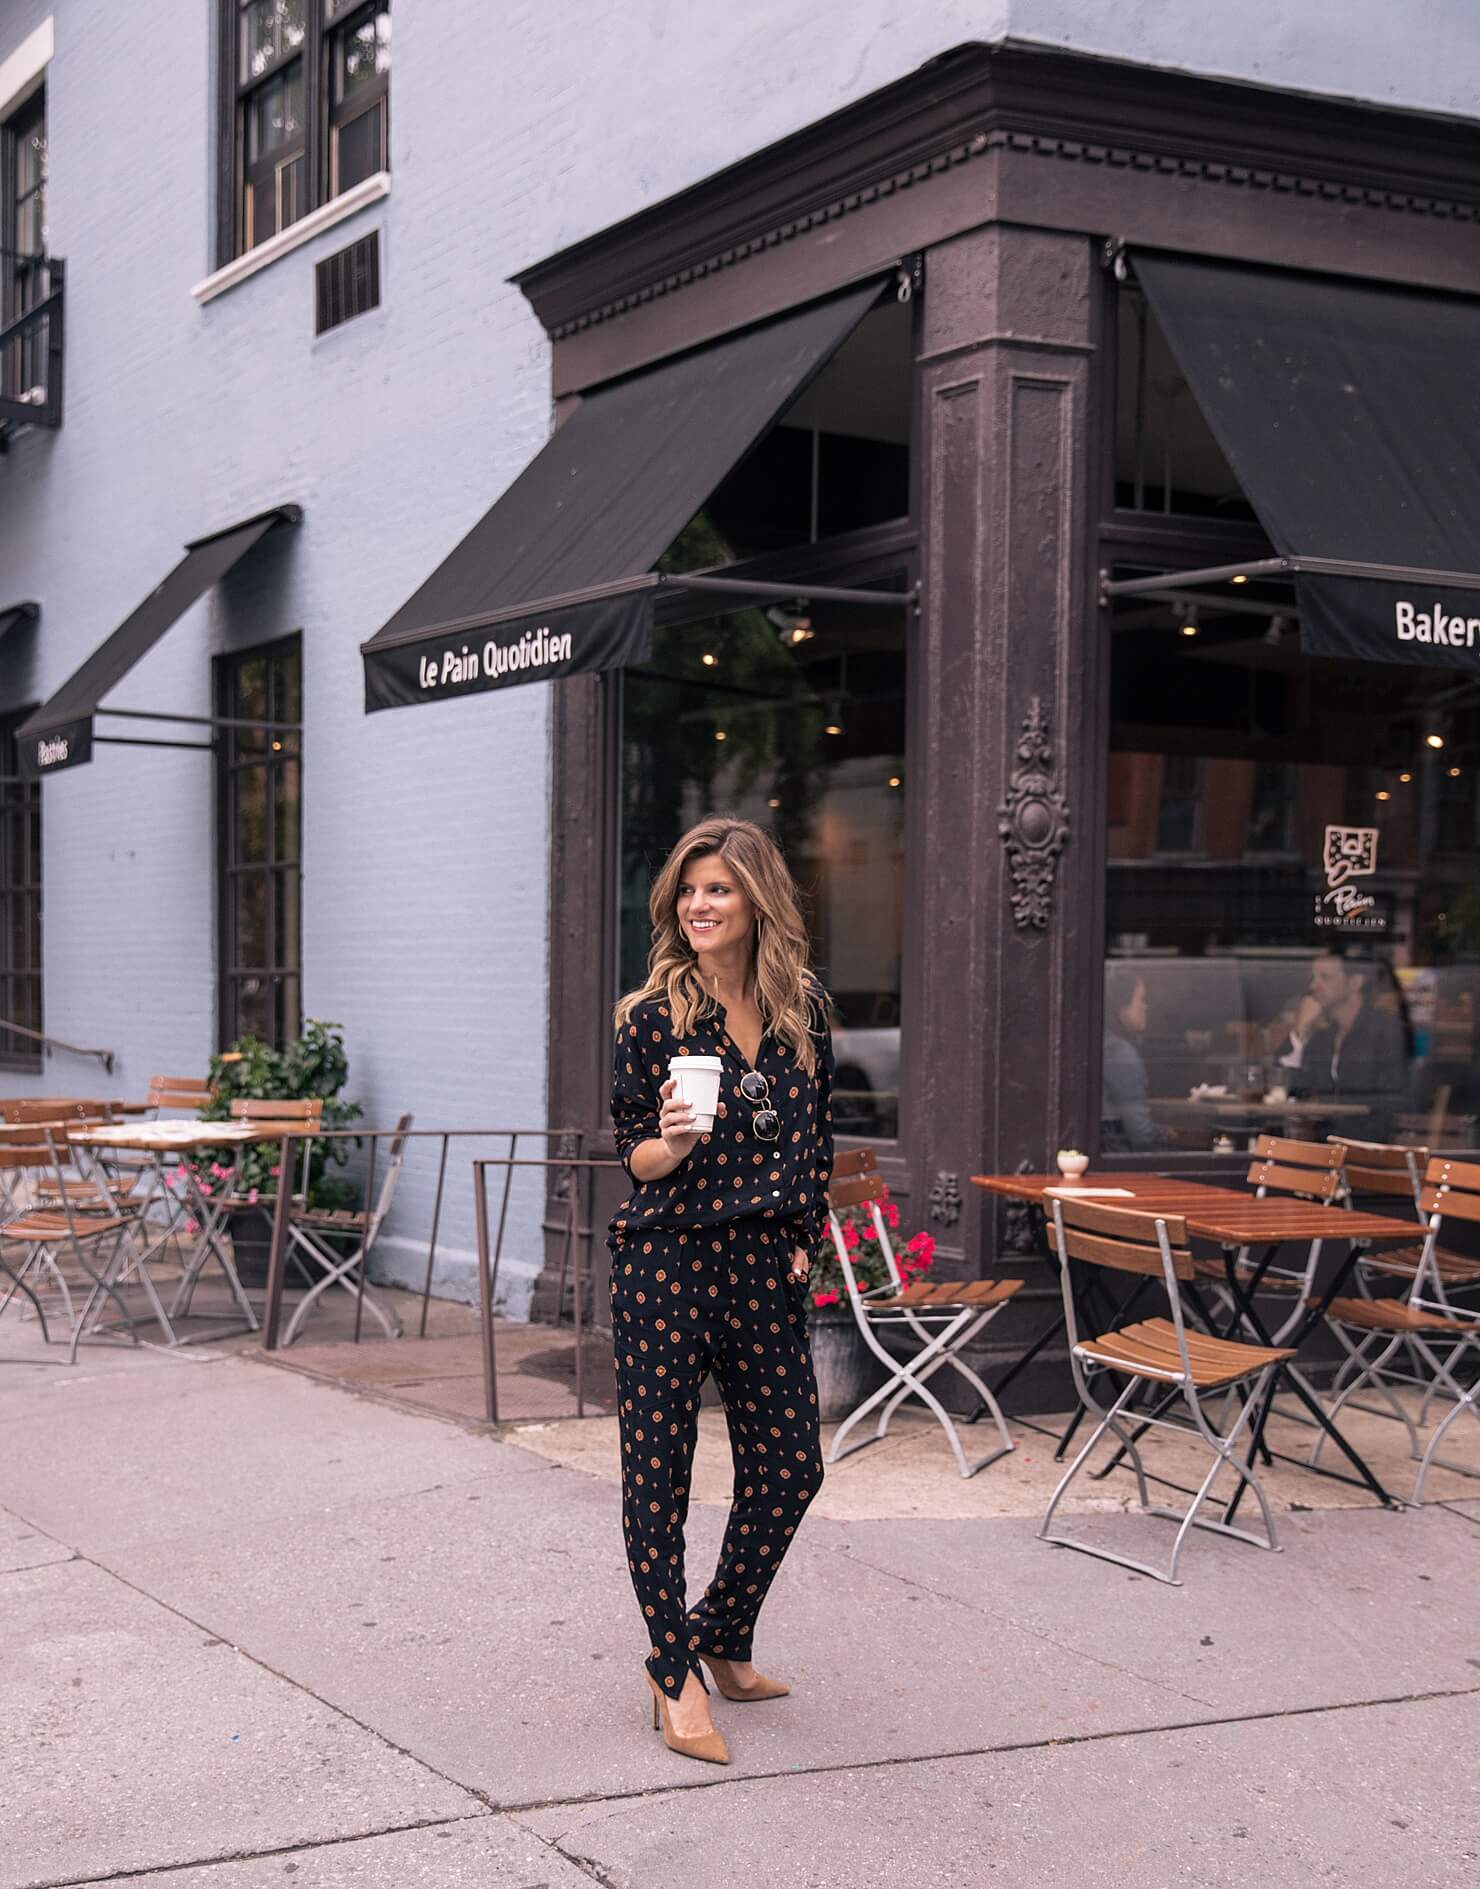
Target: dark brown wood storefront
(1003, 182)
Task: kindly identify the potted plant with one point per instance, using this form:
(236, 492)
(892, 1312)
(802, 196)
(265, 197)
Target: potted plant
(846, 1369)
(313, 1065)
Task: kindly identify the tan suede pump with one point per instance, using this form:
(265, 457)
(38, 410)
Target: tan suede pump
(723, 1674)
(709, 1747)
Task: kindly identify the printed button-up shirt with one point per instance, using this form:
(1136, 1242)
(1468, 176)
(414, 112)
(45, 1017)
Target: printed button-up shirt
(730, 1173)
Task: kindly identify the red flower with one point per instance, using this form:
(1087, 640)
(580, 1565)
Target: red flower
(891, 1214)
(850, 1236)
(825, 1298)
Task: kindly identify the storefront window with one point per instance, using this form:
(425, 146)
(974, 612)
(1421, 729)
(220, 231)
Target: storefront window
(794, 718)
(1293, 908)
(1166, 459)
(836, 461)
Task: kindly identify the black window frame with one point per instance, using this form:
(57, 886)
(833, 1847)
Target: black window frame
(21, 868)
(25, 280)
(327, 25)
(273, 745)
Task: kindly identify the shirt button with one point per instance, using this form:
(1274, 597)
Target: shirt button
(775, 1193)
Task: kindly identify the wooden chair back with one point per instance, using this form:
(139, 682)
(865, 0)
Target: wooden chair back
(297, 1116)
(178, 1092)
(1310, 1169)
(855, 1180)
(55, 1108)
(1121, 1239)
(1451, 1188)
(1382, 1167)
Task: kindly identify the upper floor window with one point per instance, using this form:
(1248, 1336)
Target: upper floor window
(23, 240)
(306, 84)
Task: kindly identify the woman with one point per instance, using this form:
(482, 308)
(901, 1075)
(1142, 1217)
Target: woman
(1127, 1126)
(710, 1253)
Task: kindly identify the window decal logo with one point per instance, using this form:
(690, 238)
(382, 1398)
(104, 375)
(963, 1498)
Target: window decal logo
(1350, 853)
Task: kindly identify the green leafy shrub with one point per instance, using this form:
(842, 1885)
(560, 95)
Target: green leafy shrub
(313, 1065)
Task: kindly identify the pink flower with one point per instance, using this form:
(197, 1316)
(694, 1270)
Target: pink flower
(276, 1170)
(218, 1171)
(825, 1298)
(205, 1189)
(252, 1198)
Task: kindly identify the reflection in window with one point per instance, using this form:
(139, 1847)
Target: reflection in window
(796, 722)
(837, 460)
(1166, 459)
(262, 826)
(1241, 993)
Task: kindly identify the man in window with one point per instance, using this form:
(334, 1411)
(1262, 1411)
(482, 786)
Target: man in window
(1346, 1044)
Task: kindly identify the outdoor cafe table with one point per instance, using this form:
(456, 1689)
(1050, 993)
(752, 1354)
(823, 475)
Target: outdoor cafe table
(1152, 1192)
(207, 1208)
(1245, 1222)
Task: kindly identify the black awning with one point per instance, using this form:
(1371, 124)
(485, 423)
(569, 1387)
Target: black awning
(1351, 415)
(551, 581)
(12, 615)
(60, 733)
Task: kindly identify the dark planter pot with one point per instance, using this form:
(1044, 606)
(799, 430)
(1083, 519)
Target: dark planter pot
(846, 1369)
(251, 1243)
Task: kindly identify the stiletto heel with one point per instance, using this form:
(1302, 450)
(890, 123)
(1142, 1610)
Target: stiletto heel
(723, 1674)
(709, 1747)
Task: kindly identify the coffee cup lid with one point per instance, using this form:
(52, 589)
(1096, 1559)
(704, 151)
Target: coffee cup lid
(695, 1062)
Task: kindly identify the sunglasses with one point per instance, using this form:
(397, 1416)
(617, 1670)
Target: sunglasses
(756, 1089)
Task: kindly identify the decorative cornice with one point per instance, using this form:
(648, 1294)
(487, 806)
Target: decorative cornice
(1023, 101)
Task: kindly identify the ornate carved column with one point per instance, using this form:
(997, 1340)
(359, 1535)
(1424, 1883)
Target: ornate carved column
(1011, 706)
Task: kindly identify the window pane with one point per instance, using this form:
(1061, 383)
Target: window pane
(270, 28)
(287, 814)
(254, 1010)
(250, 814)
(20, 904)
(1166, 459)
(362, 53)
(252, 894)
(275, 113)
(837, 460)
(1293, 908)
(360, 147)
(749, 733)
(288, 933)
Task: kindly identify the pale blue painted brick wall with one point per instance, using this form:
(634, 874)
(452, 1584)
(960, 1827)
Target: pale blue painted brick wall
(515, 129)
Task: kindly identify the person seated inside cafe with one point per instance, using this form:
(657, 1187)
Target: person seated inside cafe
(1349, 1044)
(1126, 1124)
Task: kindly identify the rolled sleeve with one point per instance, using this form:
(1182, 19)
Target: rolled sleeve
(635, 1099)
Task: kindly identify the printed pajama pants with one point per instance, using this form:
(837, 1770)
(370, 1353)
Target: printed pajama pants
(684, 1304)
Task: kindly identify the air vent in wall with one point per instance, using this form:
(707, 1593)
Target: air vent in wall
(347, 283)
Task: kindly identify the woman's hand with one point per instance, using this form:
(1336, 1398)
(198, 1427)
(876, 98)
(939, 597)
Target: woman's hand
(676, 1128)
(800, 1265)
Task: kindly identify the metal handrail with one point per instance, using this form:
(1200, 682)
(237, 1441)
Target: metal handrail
(104, 1056)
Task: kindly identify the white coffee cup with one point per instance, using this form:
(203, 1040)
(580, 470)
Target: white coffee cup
(696, 1081)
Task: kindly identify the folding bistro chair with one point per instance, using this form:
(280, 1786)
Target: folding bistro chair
(957, 1308)
(177, 1095)
(1305, 1170)
(310, 1233)
(93, 1234)
(272, 1115)
(1161, 1352)
(1438, 1334)
(1397, 1172)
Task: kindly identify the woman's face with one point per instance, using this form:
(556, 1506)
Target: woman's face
(713, 913)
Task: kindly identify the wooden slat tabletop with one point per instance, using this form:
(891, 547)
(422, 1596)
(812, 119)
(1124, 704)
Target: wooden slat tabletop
(1248, 1221)
(1144, 1189)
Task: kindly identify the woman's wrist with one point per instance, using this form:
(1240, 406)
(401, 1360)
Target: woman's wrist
(654, 1160)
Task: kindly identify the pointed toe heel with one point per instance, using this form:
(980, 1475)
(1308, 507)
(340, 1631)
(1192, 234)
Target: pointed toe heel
(723, 1675)
(708, 1747)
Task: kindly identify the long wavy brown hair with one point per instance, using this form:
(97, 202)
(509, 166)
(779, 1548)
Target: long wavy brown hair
(789, 998)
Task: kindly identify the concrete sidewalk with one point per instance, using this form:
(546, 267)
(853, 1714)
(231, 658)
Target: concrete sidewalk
(253, 1628)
